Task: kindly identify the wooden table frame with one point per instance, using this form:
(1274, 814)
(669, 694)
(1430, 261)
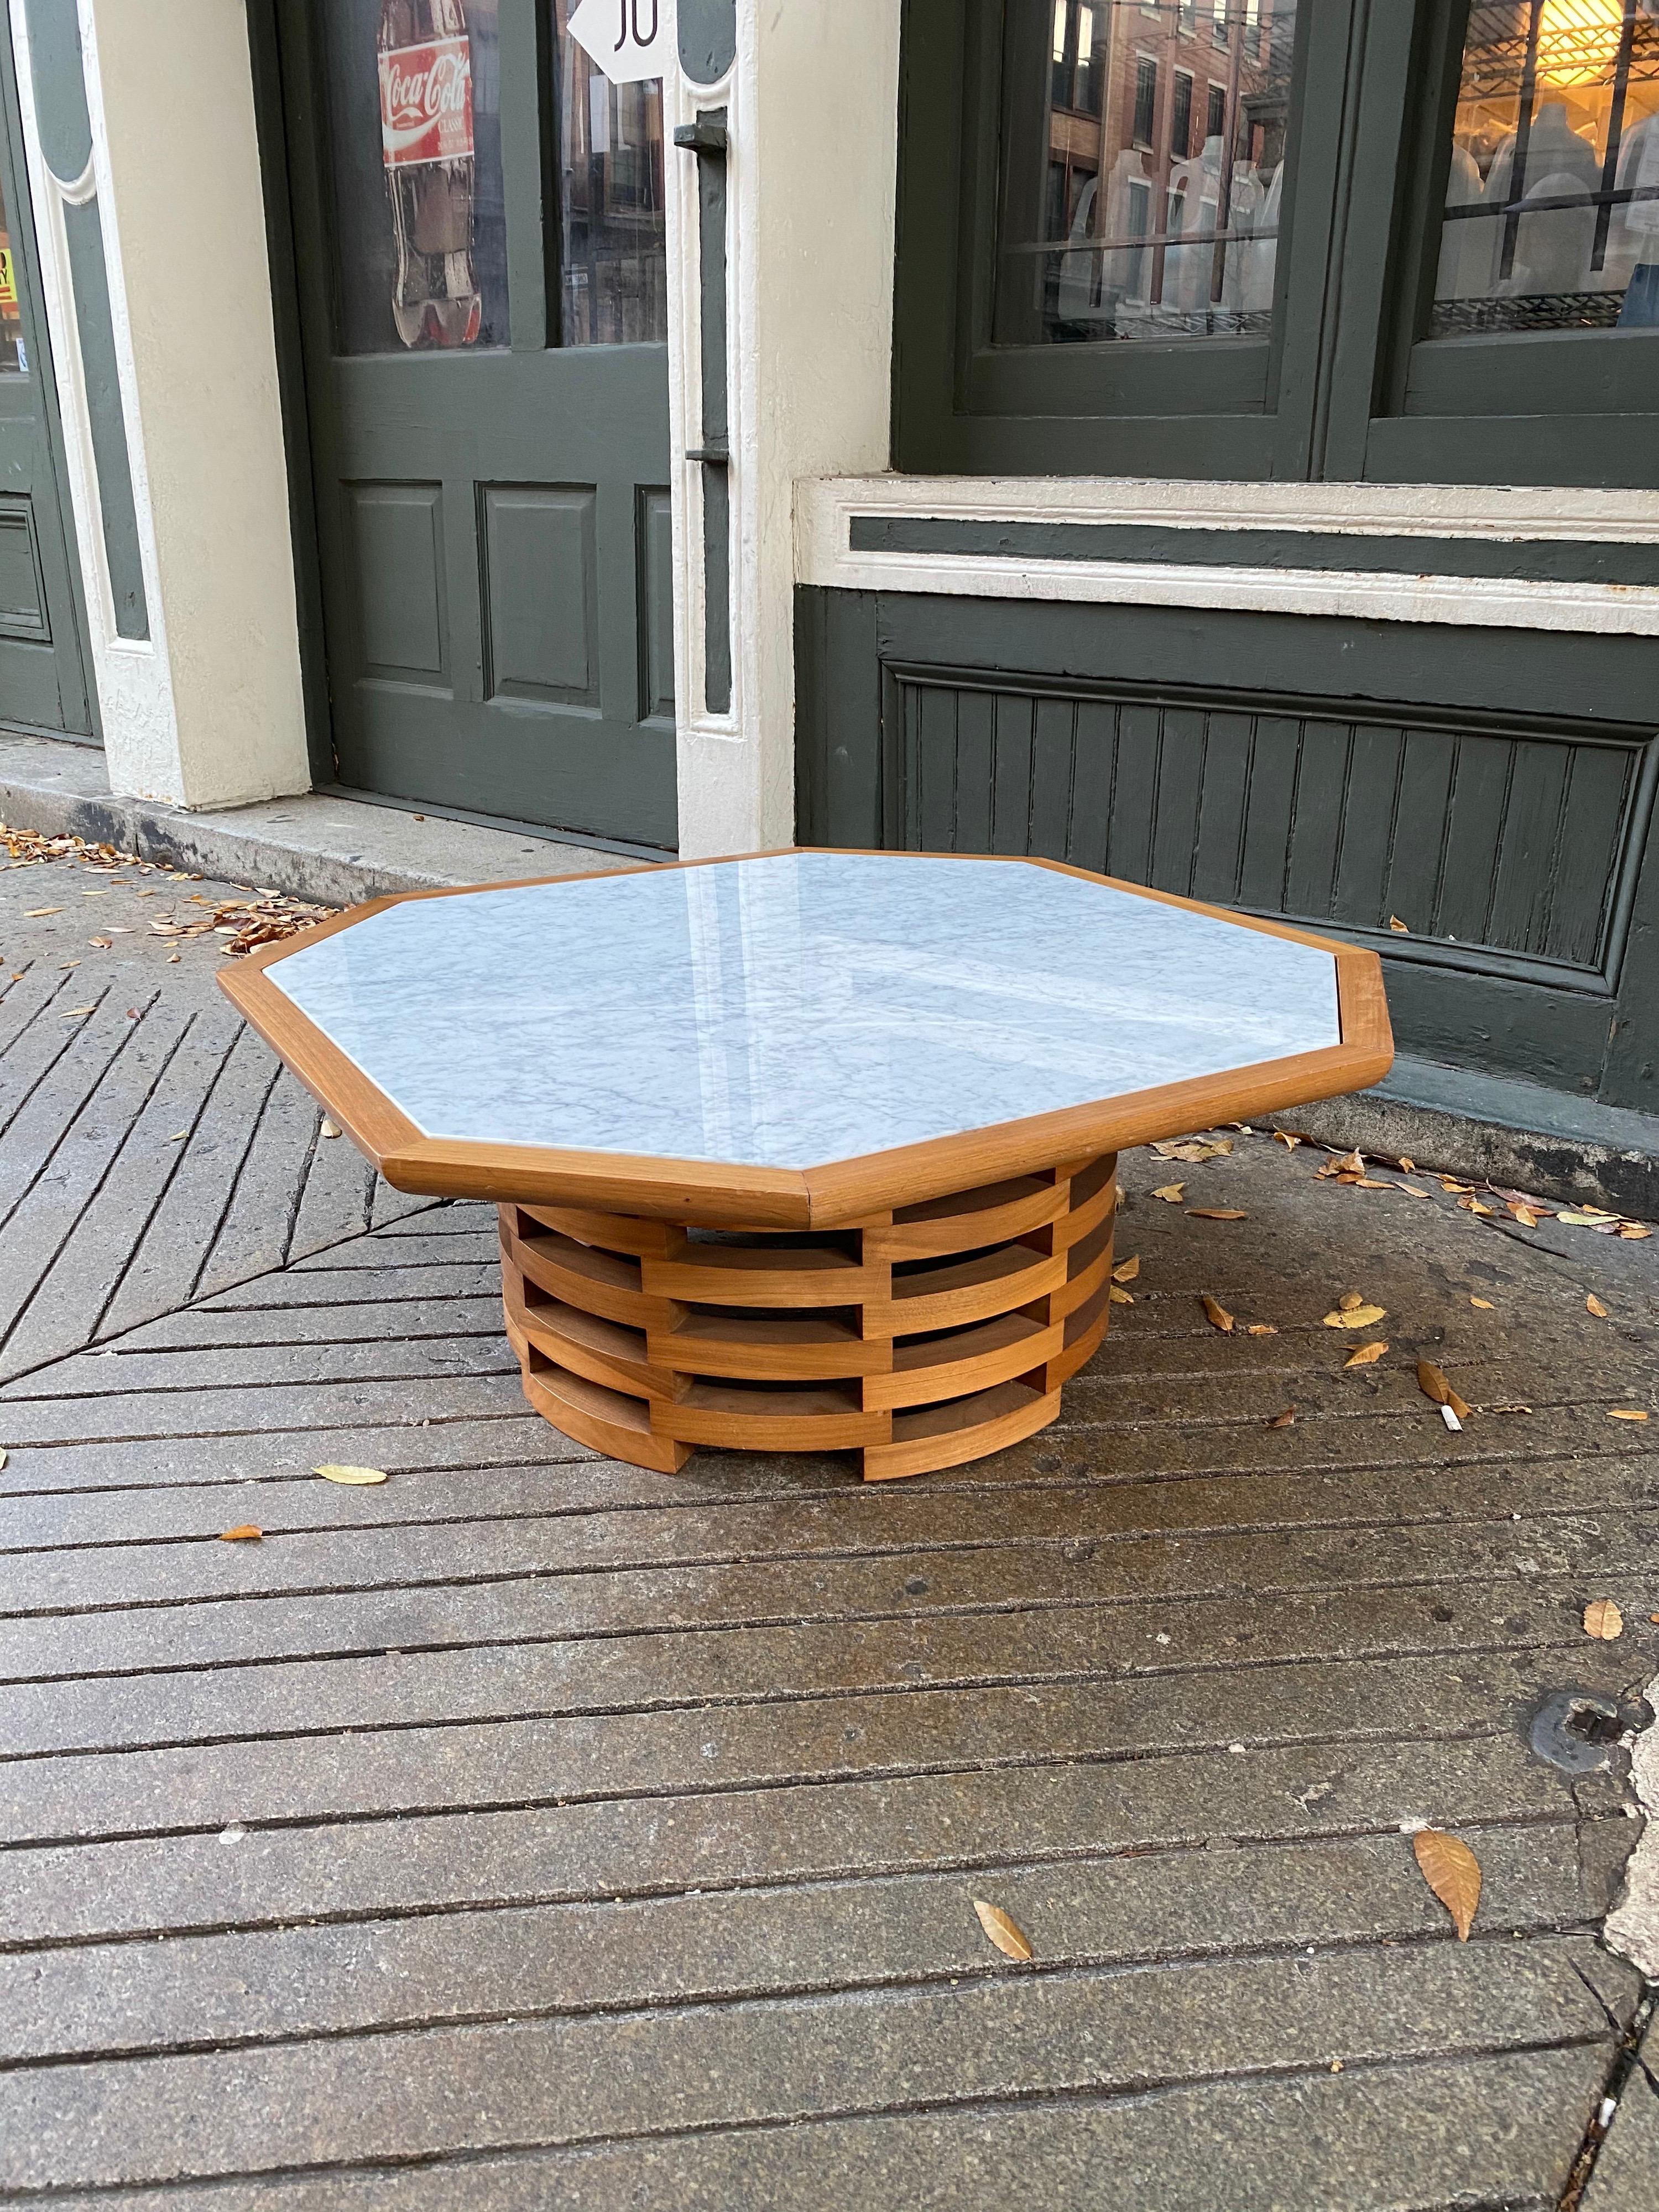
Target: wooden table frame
(968, 1280)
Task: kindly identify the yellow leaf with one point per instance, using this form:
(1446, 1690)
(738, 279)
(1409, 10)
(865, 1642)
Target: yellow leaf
(1593, 1304)
(1126, 1270)
(1367, 1356)
(1009, 1938)
(1119, 1297)
(246, 1534)
(1632, 1229)
(1355, 1318)
(1625, 1413)
(1397, 926)
(1485, 1304)
(1348, 1301)
(1525, 1216)
(1603, 1620)
(352, 1474)
(1452, 1872)
(1283, 1420)
(1170, 1193)
(36, 913)
(1433, 1384)
(1217, 1314)
(1285, 1138)
(1407, 1167)
(1216, 1213)
(1580, 1218)
(1261, 1329)
(1473, 1206)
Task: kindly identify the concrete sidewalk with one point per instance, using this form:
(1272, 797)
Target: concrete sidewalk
(530, 1829)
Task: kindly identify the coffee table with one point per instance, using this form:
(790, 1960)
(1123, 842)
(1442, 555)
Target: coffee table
(804, 1151)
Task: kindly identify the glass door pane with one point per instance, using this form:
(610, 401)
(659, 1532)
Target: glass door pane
(1143, 169)
(14, 355)
(613, 253)
(1552, 217)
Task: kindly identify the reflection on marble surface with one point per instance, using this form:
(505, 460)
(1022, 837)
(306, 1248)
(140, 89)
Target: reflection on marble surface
(793, 1010)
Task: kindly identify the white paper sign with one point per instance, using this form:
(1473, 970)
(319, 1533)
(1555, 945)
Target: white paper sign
(630, 39)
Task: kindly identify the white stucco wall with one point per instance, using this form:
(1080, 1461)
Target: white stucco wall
(813, 101)
(170, 91)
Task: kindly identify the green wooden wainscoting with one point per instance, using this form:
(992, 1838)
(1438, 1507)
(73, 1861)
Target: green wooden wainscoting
(1492, 789)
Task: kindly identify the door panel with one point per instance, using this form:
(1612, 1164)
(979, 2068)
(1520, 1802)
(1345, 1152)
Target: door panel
(489, 429)
(42, 683)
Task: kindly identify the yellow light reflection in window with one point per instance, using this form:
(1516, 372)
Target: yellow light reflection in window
(1578, 39)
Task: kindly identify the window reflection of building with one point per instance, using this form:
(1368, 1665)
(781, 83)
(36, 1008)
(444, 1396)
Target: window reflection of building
(1552, 216)
(11, 313)
(613, 261)
(1140, 232)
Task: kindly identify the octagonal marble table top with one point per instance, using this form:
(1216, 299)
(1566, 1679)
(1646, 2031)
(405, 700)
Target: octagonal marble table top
(792, 1009)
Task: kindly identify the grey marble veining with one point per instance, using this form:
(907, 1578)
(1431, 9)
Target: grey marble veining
(787, 1011)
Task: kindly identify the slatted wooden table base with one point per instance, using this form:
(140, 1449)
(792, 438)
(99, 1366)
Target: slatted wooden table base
(921, 1339)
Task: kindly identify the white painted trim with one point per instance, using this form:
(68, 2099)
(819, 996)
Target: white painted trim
(824, 508)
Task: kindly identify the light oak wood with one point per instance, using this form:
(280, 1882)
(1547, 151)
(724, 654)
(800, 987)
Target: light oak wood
(662, 1339)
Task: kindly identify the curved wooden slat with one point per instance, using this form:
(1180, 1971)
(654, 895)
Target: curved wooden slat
(951, 1296)
(769, 1348)
(967, 1220)
(607, 1420)
(824, 1419)
(785, 1275)
(967, 1429)
(616, 1232)
(964, 1361)
(605, 1283)
(602, 1351)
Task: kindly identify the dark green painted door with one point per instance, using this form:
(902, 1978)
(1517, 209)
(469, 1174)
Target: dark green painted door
(42, 683)
(481, 269)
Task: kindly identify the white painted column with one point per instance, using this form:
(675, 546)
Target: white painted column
(811, 102)
(207, 710)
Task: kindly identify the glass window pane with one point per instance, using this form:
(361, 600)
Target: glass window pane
(413, 102)
(614, 246)
(1552, 218)
(1113, 221)
(12, 354)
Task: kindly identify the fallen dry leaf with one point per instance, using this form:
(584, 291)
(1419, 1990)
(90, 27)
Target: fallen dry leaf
(1603, 1620)
(74, 1013)
(1397, 926)
(1349, 1164)
(1366, 1355)
(1261, 1329)
(1625, 1413)
(1285, 1138)
(1593, 1304)
(1474, 1205)
(1509, 1409)
(1118, 1296)
(1009, 1938)
(1452, 1872)
(1349, 1300)
(39, 913)
(1217, 1314)
(1433, 1384)
(1193, 1149)
(246, 1534)
(1283, 1420)
(1407, 1167)
(1525, 1216)
(1170, 1193)
(1632, 1229)
(352, 1474)
(1355, 1318)
(1584, 1217)
(1216, 1213)
(1126, 1270)
(1485, 1304)
(102, 944)
(2, 1459)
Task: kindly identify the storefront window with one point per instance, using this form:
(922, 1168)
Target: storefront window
(415, 130)
(14, 355)
(1552, 218)
(614, 257)
(1143, 170)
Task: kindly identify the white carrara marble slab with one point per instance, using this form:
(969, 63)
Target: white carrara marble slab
(792, 1010)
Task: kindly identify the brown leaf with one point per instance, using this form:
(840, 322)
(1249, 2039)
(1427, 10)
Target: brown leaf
(1397, 926)
(1603, 1620)
(1367, 1356)
(1170, 1193)
(1525, 1216)
(1216, 1213)
(1349, 1300)
(1593, 1304)
(1632, 1229)
(356, 1475)
(1283, 1420)
(1193, 1149)
(246, 1534)
(1217, 1314)
(1118, 1296)
(102, 944)
(1625, 1413)
(1261, 1329)
(1008, 1936)
(1485, 1304)
(1473, 1206)
(1126, 1270)
(1433, 1384)
(1355, 1318)
(1452, 1872)
(1407, 1167)
(1285, 1138)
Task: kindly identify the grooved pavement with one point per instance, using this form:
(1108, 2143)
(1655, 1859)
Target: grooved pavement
(532, 1829)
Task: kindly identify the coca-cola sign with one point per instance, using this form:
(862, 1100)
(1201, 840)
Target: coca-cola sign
(426, 102)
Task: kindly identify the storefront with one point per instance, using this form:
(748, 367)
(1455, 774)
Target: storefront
(1213, 441)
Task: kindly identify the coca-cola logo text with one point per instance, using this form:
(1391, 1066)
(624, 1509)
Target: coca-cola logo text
(426, 102)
